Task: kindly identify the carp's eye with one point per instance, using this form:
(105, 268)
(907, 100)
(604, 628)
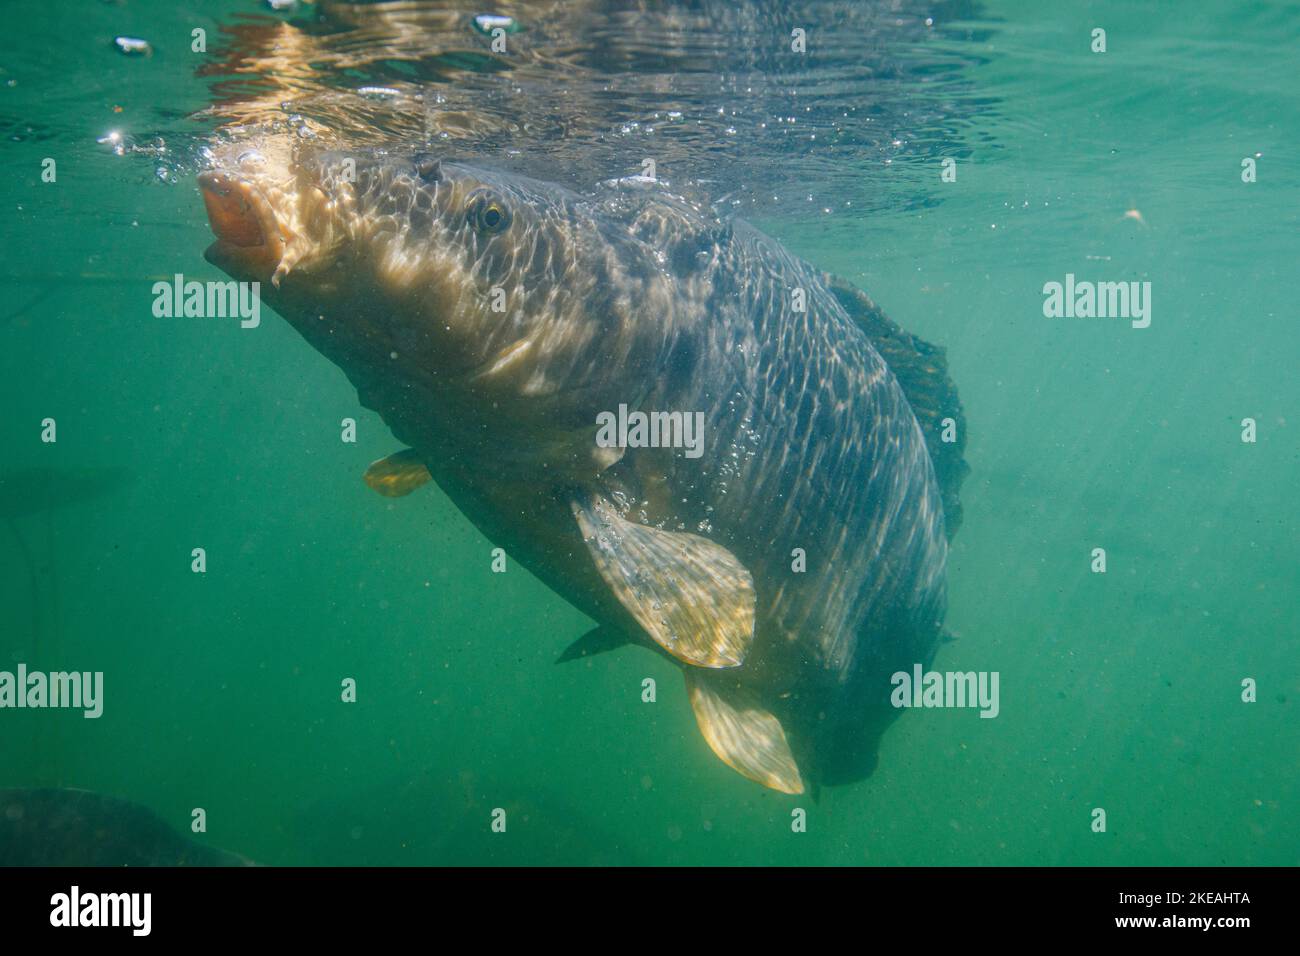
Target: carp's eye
(488, 212)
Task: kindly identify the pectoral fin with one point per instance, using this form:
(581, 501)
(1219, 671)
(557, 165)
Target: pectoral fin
(692, 596)
(398, 474)
(747, 737)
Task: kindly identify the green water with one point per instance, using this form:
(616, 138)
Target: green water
(1119, 691)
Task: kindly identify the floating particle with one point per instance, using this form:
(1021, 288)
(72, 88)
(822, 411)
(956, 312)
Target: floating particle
(133, 46)
(485, 23)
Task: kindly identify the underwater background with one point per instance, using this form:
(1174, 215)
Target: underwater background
(1120, 690)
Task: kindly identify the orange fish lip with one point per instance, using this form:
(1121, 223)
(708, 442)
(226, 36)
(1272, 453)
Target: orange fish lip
(248, 234)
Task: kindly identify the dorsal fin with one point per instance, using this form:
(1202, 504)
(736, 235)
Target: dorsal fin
(922, 371)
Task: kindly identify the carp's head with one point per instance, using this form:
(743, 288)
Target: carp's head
(494, 302)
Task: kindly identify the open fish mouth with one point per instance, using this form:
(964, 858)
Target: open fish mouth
(248, 234)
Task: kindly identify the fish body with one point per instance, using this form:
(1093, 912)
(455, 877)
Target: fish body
(791, 560)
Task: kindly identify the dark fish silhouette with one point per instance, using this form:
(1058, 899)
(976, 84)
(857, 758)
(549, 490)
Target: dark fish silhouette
(26, 492)
(29, 491)
(62, 827)
(492, 319)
